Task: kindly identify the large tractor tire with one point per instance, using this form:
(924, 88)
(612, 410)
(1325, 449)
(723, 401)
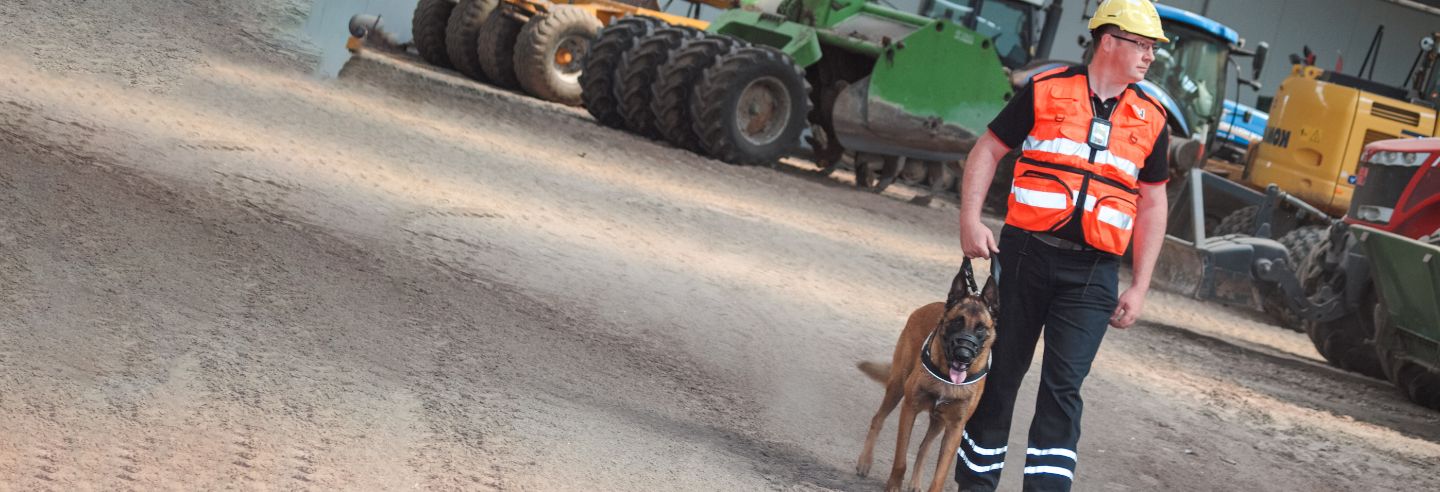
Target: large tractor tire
(832, 75)
(550, 52)
(1416, 381)
(824, 143)
(496, 46)
(597, 79)
(1347, 342)
(675, 83)
(1241, 221)
(1298, 243)
(428, 28)
(751, 105)
(874, 172)
(637, 74)
(463, 31)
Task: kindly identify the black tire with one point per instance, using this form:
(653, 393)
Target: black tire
(1298, 244)
(762, 74)
(428, 28)
(597, 80)
(875, 173)
(675, 83)
(824, 143)
(1241, 221)
(1418, 383)
(637, 73)
(463, 31)
(833, 74)
(1347, 342)
(496, 46)
(550, 52)
(914, 172)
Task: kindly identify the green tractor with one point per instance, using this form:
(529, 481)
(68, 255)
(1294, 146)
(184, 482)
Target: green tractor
(1407, 315)
(885, 86)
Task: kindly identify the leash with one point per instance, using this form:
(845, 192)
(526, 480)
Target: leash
(969, 273)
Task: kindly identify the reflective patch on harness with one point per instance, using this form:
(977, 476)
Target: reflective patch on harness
(1115, 218)
(1040, 199)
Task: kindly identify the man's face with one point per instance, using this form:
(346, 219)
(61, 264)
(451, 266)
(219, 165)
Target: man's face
(1132, 54)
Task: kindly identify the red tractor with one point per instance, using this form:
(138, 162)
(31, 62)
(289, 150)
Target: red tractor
(1397, 193)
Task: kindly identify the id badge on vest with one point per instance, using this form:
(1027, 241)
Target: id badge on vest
(1099, 134)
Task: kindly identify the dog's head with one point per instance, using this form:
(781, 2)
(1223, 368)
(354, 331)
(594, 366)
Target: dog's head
(968, 327)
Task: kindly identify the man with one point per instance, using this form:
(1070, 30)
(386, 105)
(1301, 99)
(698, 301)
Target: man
(1091, 175)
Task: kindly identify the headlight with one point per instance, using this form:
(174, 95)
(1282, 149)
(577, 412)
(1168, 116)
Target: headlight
(1404, 159)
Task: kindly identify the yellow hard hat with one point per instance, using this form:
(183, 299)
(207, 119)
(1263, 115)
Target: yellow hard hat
(1132, 16)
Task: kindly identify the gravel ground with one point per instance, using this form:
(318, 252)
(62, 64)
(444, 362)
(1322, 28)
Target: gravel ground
(217, 272)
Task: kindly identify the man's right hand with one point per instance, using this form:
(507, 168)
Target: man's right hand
(976, 240)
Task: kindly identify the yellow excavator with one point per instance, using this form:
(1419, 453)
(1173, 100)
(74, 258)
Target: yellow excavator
(1237, 241)
(1321, 120)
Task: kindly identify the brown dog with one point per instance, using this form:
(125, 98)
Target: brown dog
(958, 335)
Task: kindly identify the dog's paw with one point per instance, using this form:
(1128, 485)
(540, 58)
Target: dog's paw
(893, 486)
(862, 468)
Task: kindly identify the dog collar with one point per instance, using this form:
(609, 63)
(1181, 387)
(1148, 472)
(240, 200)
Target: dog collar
(937, 374)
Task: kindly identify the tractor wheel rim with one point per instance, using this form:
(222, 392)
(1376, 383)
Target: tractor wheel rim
(763, 110)
(569, 56)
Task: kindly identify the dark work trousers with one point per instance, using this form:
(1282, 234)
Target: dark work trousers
(1071, 295)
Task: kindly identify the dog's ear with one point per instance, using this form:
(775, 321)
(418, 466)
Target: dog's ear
(959, 290)
(990, 295)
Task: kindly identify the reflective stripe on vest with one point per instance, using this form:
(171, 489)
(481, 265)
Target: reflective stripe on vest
(1042, 199)
(1115, 218)
(1081, 150)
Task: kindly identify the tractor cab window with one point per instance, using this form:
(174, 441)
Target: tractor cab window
(1006, 22)
(1191, 68)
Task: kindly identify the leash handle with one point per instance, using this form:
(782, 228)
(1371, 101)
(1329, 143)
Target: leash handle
(969, 273)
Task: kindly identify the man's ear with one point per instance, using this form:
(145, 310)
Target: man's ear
(990, 294)
(959, 290)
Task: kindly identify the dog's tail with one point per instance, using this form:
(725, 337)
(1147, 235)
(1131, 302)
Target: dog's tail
(877, 371)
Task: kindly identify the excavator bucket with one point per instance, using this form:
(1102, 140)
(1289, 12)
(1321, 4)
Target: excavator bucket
(929, 97)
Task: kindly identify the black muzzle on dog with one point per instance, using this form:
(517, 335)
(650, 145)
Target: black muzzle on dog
(962, 348)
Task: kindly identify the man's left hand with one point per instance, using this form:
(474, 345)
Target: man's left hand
(1132, 301)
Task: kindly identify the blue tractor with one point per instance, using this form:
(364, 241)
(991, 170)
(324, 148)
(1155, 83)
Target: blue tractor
(1190, 77)
(1240, 127)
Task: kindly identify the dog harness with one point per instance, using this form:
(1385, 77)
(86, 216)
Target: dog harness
(1076, 165)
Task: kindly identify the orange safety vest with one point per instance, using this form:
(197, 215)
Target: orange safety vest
(1057, 165)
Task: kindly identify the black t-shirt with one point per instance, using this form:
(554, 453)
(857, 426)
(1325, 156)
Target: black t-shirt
(1014, 123)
